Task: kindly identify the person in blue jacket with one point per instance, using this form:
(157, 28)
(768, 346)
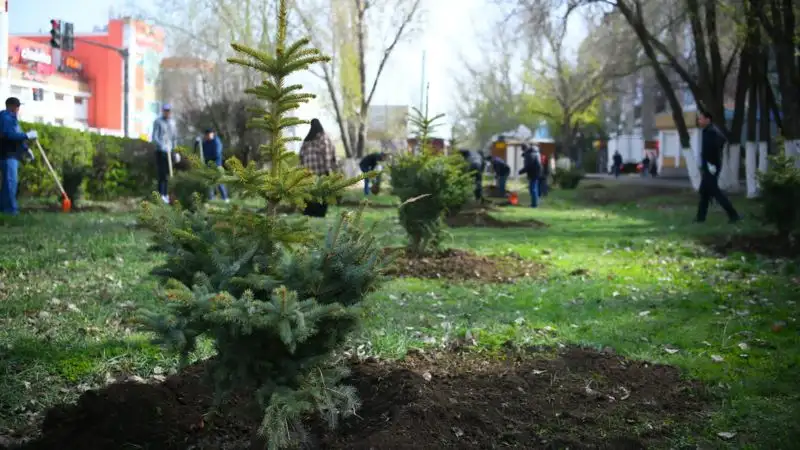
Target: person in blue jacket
(532, 167)
(212, 151)
(13, 148)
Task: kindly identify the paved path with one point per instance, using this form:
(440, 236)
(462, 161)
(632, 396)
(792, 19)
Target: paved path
(678, 183)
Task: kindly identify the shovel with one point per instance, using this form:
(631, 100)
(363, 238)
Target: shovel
(66, 203)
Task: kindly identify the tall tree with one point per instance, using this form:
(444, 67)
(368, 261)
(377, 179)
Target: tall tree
(345, 29)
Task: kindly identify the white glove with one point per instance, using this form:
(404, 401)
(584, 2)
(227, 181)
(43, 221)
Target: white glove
(177, 157)
(379, 167)
(713, 169)
(32, 135)
(29, 155)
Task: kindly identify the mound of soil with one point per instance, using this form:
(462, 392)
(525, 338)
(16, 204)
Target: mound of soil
(482, 218)
(771, 246)
(577, 399)
(461, 265)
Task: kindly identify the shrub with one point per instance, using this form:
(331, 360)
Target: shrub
(111, 166)
(275, 300)
(191, 184)
(780, 194)
(568, 178)
(429, 186)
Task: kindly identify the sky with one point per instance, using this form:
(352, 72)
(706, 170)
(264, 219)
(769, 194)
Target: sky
(450, 32)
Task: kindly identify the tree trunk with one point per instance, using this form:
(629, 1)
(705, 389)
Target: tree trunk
(751, 146)
(764, 124)
(730, 166)
(636, 21)
(361, 38)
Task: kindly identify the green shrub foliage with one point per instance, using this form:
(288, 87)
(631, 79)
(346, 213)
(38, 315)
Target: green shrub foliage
(191, 185)
(568, 178)
(429, 186)
(780, 194)
(101, 167)
(276, 300)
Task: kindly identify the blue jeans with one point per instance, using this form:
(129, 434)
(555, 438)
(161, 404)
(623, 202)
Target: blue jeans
(501, 183)
(533, 190)
(543, 186)
(366, 184)
(222, 190)
(8, 188)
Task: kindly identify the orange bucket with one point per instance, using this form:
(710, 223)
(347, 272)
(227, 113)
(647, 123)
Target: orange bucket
(513, 198)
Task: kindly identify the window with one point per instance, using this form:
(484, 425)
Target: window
(78, 100)
(660, 101)
(60, 97)
(38, 94)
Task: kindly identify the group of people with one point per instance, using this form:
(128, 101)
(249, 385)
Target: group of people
(165, 138)
(647, 166)
(536, 168)
(318, 155)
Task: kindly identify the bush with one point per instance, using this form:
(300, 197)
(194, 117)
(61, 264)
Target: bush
(780, 194)
(192, 183)
(276, 300)
(429, 185)
(107, 166)
(569, 178)
(440, 184)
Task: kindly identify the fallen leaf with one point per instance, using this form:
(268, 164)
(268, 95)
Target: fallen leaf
(717, 358)
(726, 434)
(458, 432)
(538, 372)
(743, 346)
(427, 376)
(644, 313)
(670, 350)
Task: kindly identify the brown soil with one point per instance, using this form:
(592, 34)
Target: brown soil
(482, 218)
(577, 399)
(461, 265)
(772, 246)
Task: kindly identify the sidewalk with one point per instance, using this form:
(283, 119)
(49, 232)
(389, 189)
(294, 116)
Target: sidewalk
(677, 183)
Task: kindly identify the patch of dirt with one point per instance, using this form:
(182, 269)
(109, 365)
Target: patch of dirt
(461, 265)
(771, 246)
(576, 398)
(482, 218)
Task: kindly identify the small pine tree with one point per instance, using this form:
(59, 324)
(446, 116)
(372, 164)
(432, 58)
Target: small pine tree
(276, 301)
(429, 185)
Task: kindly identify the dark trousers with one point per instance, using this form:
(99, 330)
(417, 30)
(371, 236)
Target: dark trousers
(544, 188)
(162, 172)
(478, 185)
(533, 190)
(709, 189)
(314, 209)
(501, 183)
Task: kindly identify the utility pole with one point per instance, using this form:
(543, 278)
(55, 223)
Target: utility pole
(125, 55)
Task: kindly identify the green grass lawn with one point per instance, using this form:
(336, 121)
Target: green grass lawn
(70, 286)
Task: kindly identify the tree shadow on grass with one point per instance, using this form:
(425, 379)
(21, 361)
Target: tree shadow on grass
(36, 373)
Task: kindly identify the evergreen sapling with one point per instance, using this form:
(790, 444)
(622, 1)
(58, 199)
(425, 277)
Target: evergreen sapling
(429, 185)
(276, 300)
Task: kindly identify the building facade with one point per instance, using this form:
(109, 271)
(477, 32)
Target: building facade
(101, 65)
(52, 88)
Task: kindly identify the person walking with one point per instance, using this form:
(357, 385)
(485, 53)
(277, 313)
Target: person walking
(544, 186)
(318, 155)
(501, 173)
(164, 137)
(13, 149)
(617, 161)
(532, 167)
(212, 151)
(713, 141)
(645, 165)
(369, 163)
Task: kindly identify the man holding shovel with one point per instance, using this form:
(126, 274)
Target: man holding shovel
(13, 148)
(164, 137)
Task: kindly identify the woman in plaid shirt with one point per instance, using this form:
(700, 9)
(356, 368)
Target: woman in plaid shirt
(318, 155)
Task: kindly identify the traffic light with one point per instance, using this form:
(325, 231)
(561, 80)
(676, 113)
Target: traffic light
(69, 37)
(55, 33)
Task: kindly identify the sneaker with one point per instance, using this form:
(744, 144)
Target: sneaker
(165, 198)
(227, 200)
